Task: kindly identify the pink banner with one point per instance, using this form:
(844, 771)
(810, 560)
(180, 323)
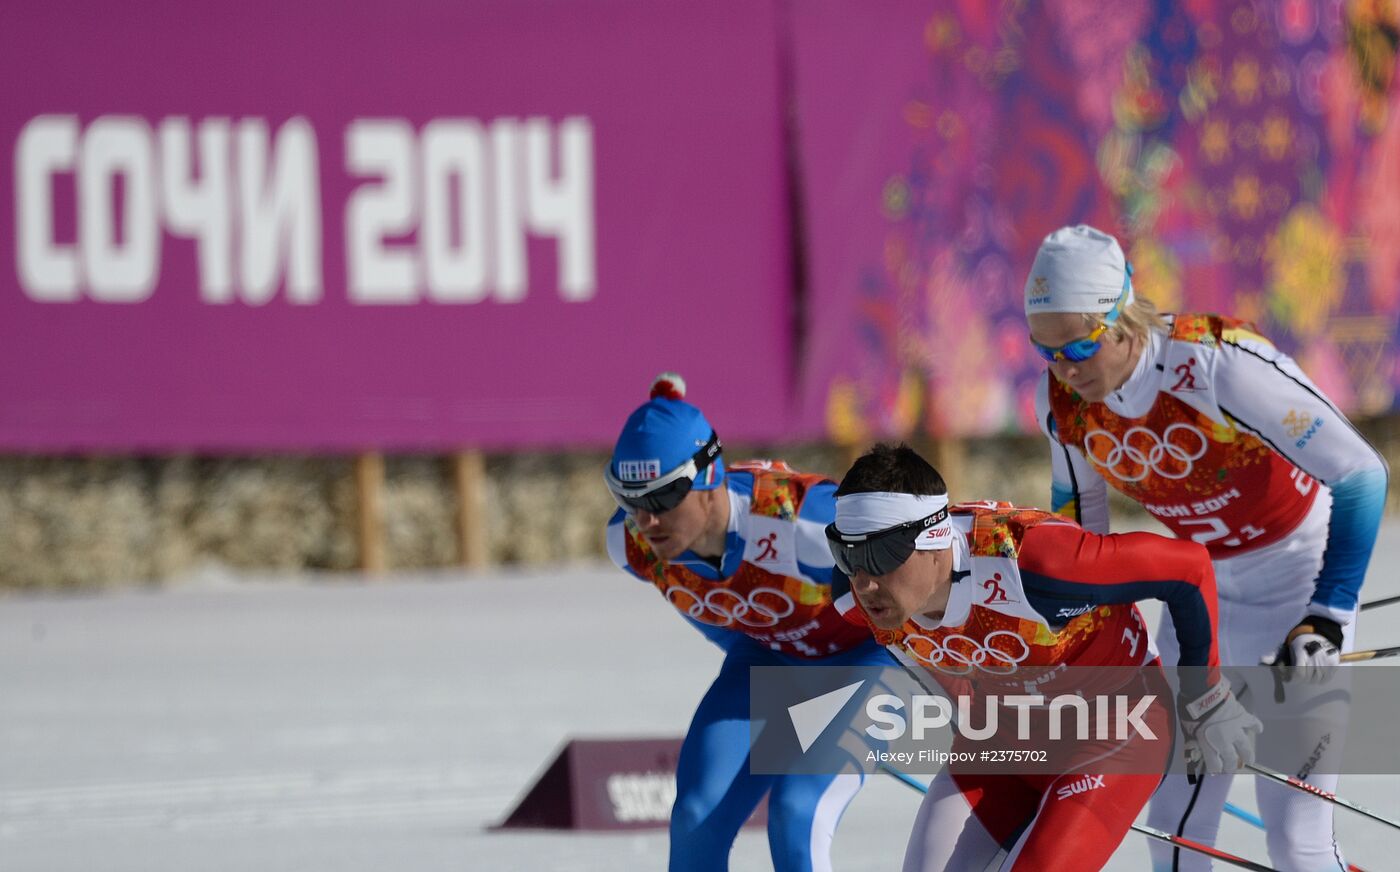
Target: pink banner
(269, 226)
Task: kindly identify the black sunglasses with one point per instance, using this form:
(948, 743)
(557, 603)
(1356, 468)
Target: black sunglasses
(880, 552)
(660, 495)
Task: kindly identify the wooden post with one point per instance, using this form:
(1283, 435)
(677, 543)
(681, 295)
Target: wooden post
(469, 471)
(849, 453)
(369, 490)
(949, 457)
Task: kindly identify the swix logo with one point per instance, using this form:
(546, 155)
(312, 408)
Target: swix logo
(938, 534)
(769, 548)
(1080, 785)
(997, 595)
(1074, 612)
(1186, 380)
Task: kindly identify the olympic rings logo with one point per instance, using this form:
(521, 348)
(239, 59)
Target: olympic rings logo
(1171, 455)
(957, 654)
(721, 607)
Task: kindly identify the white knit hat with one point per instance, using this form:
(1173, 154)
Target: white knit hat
(1077, 269)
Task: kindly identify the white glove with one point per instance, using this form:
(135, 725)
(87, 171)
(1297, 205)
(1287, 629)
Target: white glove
(1220, 733)
(1313, 649)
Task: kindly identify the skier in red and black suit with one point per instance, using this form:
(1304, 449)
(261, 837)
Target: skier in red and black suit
(988, 589)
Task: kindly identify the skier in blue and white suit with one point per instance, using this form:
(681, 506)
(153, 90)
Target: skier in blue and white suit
(741, 552)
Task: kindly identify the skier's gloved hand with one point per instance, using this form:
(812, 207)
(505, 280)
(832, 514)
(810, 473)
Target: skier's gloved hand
(1313, 650)
(1220, 733)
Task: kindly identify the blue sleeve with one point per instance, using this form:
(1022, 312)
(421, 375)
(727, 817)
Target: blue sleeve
(1357, 504)
(725, 639)
(814, 558)
(1266, 392)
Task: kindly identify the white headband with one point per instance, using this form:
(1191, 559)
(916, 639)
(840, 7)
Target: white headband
(1077, 269)
(872, 512)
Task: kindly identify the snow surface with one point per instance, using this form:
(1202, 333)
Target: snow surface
(265, 724)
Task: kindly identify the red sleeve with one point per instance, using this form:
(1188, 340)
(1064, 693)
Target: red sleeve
(1059, 561)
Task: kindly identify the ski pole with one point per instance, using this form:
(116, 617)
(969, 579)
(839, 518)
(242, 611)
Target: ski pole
(1216, 853)
(1323, 794)
(1360, 656)
(1373, 604)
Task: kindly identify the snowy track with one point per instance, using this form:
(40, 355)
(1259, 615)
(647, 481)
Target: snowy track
(340, 724)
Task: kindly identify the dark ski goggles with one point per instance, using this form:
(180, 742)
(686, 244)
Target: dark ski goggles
(660, 495)
(880, 552)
